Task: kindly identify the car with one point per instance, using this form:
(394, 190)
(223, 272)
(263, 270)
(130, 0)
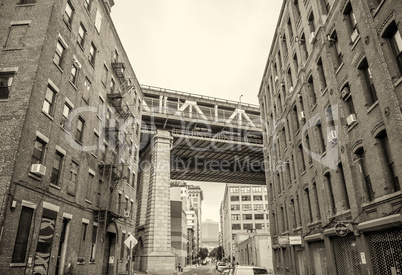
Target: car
(227, 271)
(249, 270)
(204, 262)
(221, 266)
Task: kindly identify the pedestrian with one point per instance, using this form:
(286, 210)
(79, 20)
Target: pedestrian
(180, 269)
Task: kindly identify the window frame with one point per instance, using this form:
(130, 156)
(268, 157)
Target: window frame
(9, 76)
(68, 19)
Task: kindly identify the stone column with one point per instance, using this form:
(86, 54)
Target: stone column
(159, 258)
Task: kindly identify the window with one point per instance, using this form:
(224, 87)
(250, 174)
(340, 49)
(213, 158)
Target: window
(317, 203)
(74, 74)
(93, 243)
(6, 80)
(16, 36)
(393, 35)
(257, 197)
(92, 54)
(311, 24)
(319, 136)
(81, 35)
(84, 231)
(330, 193)
(311, 91)
(257, 189)
(25, 2)
(58, 56)
(56, 170)
(245, 189)
(112, 85)
(368, 188)
(388, 160)
(259, 226)
(234, 189)
(21, 240)
(87, 4)
(98, 21)
(87, 90)
(308, 201)
(294, 218)
(96, 141)
(68, 13)
(38, 151)
(321, 75)
(301, 156)
(351, 22)
(235, 207)
(236, 227)
(234, 198)
(98, 193)
(119, 204)
(131, 209)
(105, 73)
(123, 238)
(73, 180)
(88, 186)
(246, 198)
(48, 104)
(336, 49)
(258, 216)
(303, 44)
(115, 57)
(247, 216)
(80, 129)
(235, 217)
(247, 226)
(371, 94)
(343, 189)
(258, 207)
(295, 63)
(246, 207)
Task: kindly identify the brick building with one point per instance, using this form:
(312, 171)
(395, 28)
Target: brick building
(331, 101)
(243, 210)
(70, 110)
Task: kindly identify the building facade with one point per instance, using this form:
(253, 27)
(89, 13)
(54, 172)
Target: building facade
(210, 234)
(244, 209)
(254, 249)
(331, 102)
(196, 196)
(70, 110)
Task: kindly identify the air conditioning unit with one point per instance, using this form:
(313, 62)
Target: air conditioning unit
(127, 214)
(38, 169)
(312, 37)
(291, 90)
(276, 78)
(354, 35)
(345, 92)
(302, 116)
(332, 136)
(351, 119)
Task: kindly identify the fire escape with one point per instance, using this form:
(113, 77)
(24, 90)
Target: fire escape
(112, 171)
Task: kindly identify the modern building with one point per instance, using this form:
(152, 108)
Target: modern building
(70, 110)
(331, 101)
(254, 249)
(244, 209)
(210, 234)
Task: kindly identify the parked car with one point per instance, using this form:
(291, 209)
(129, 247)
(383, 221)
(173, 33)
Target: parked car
(228, 271)
(221, 266)
(249, 270)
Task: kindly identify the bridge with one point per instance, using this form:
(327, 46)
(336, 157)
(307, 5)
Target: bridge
(189, 137)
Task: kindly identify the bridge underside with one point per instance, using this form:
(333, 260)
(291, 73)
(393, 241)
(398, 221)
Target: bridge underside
(212, 160)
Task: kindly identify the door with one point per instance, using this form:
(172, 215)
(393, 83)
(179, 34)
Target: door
(61, 256)
(109, 261)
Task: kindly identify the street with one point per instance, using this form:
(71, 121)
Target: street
(202, 269)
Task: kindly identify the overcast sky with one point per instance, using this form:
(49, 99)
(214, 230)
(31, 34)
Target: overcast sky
(211, 47)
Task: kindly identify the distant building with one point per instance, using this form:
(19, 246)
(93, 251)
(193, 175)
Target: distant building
(210, 234)
(244, 209)
(331, 98)
(255, 249)
(196, 196)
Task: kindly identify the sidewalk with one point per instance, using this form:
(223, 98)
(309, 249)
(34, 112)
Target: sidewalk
(185, 269)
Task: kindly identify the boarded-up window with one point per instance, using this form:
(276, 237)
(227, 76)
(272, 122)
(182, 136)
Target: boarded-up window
(16, 36)
(21, 241)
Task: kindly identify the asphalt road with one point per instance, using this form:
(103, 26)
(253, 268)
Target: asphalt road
(202, 269)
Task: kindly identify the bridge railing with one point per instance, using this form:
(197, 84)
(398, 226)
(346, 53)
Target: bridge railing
(162, 90)
(155, 106)
(228, 136)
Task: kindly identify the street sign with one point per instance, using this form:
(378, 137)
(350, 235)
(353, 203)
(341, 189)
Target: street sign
(341, 229)
(295, 240)
(130, 240)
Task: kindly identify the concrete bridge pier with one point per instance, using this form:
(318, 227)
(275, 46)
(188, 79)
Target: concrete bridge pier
(157, 256)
